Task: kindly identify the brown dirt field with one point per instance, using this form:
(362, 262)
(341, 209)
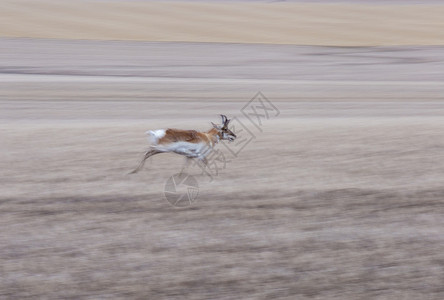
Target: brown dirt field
(336, 198)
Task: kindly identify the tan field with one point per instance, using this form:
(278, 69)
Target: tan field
(338, 196)
(331, 23)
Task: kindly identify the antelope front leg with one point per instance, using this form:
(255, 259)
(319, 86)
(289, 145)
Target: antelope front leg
(147, 155)
(186, 164)
(204, 162)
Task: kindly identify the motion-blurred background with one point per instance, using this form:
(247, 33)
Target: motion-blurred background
(338, 196)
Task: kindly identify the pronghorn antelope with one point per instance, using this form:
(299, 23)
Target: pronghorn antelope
(189, 143)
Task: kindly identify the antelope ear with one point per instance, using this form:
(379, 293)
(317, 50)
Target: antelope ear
(216, 126)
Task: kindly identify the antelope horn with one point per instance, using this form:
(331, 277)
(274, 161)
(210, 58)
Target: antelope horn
(224, 119)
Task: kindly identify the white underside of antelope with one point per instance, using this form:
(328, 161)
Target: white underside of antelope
(190, 150)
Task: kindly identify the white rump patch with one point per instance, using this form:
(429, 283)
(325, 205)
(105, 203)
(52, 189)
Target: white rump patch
(155, 135)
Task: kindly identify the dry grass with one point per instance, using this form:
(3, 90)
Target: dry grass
(346, 209)
(333, 200)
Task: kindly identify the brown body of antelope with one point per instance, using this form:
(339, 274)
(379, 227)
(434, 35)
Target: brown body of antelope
(189, 143)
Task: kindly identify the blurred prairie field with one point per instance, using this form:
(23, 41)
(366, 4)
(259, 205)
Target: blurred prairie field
(339, 197)
(341, 207)
(300, 22)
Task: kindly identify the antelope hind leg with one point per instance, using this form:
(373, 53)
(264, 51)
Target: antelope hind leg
(142, 162)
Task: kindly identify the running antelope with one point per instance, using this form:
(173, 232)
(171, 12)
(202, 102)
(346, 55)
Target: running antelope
(189, 143)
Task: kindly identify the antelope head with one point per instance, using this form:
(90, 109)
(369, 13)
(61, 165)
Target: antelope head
(223, 131)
